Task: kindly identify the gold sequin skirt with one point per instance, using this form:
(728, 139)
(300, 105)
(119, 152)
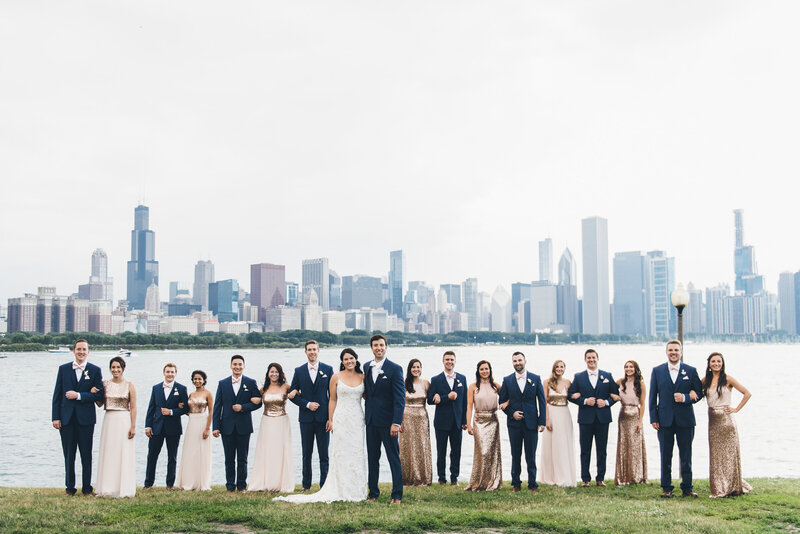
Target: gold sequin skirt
(415, 448)
(725, 462)
(487, 466)
(631, 453)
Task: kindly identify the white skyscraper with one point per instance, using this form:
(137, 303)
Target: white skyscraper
(316, 276)
(203, 275)
(596, 308)
(501, 310)
(546, 260)
(787, 303)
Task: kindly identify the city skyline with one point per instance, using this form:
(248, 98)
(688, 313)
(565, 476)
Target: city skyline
(495, 128)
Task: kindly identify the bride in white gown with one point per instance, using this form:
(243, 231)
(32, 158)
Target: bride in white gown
(347, 476)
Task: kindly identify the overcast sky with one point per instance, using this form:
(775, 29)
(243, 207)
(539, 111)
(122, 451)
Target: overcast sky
(462, 132)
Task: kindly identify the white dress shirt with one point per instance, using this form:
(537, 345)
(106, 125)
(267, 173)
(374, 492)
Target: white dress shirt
(376, 368)
(312, 372)
(593, 378)
(673, 371)
(450, 379)
(236, 383)
(521, 380)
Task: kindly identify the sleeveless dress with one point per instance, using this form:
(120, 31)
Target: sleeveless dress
(558, 445)
(415, 440)
(195, 470)
(116, 465)
(273, 466)
(487, 464)
(725, 462)
(631, 453)
(347, 476)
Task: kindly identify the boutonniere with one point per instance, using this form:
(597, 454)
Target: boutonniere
(601, 378)
(458, 383)
(683, 372)
(86, 374)
(380, 372)
(244, 387)
(530, 382)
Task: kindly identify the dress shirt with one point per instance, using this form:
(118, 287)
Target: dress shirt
(376, 368)
(167, 388)
(521, 381)
(673, 371)
(312, 372)
(236, 383)
(450, 379)
(593, 378)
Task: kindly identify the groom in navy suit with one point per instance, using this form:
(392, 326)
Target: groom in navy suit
(383, 413)
(674, 387)
(311, 380)
(169, 400)
(522, 399)
(448, 392)
(73, 413)
(591, 390)
(237, 396)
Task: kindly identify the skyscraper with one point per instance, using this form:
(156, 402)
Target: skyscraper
(630, 296)
(360, 291)
(335, 287)
(316, 277)
(660, 283)
(567, 292)
(596, 309)
(787, 303)
(397, 267)
(223, 300)
(267, 287)
(143, 267)
(203, 275)
(470, 290)
(100, 286)
(744, 260)
(546, 260)
(453, 292)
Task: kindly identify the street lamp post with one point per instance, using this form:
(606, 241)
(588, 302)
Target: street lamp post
(680, 298)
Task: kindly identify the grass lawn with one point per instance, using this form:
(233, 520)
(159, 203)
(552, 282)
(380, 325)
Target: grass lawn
(774, 506)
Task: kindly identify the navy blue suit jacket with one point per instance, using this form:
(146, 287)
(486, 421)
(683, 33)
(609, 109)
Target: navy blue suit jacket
(225, 419)
(605, 387)
(317, 391)
(169, 425)
(530, 402)
(449, 413)
(663, 408)
(82, 410)
(385, 397)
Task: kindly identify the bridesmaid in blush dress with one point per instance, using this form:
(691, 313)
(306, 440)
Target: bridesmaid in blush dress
(558, 446)
(631, 453)
(116, 471)
(725, 462)
(415, 432)
(273, 467)
(483, 425)
(195, 470)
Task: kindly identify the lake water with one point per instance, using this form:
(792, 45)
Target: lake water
(769, 425)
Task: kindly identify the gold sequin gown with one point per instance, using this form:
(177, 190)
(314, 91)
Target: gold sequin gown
(558, 445)
(273, 466)
(725, 462)
(487, 465)
(116, 464)
(631, 454)
(195, 470)
(415, 440)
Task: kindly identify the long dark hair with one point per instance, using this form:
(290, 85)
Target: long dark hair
(358, 363)
(281, 376)
(723, 378)
(637, 378)
(478, 376)
(409, 376)
(553, 380)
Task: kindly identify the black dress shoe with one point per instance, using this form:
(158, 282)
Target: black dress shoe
(666, 494)
(689, 493)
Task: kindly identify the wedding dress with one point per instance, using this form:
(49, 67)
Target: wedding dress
(347, 476)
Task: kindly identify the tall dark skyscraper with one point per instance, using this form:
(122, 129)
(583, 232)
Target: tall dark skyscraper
(397, 267)
(142, 268)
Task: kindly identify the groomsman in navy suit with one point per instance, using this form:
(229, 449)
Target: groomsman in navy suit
(169, 400)
(448, 392)
(237, 396)
(591, 390)
(522, 399)
(674, 388)
(383, 413)
(311, 380)
(73, 413)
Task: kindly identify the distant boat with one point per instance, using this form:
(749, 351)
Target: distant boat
(3, 355)
(536, 341)
(124, 352)
(60, 350)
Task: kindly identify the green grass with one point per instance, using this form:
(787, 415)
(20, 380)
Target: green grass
(774, 506)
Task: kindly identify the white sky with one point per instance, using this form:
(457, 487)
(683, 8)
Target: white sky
(462, 132)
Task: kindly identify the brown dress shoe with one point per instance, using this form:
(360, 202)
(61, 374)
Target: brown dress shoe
(666, 494)
(533, 490)
(516, 489)
(454, 483)
(585, 485)
(395, 501)
(601, 483)
(689, 493)
(372, 499)
(442, 483)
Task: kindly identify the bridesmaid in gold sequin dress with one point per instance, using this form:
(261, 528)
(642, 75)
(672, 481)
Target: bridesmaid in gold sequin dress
(195, 470)
(631, 455)
(558, 441)
(116, 472)
(415, 432)
(725, 462)
(483, 425)
(273, 466)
